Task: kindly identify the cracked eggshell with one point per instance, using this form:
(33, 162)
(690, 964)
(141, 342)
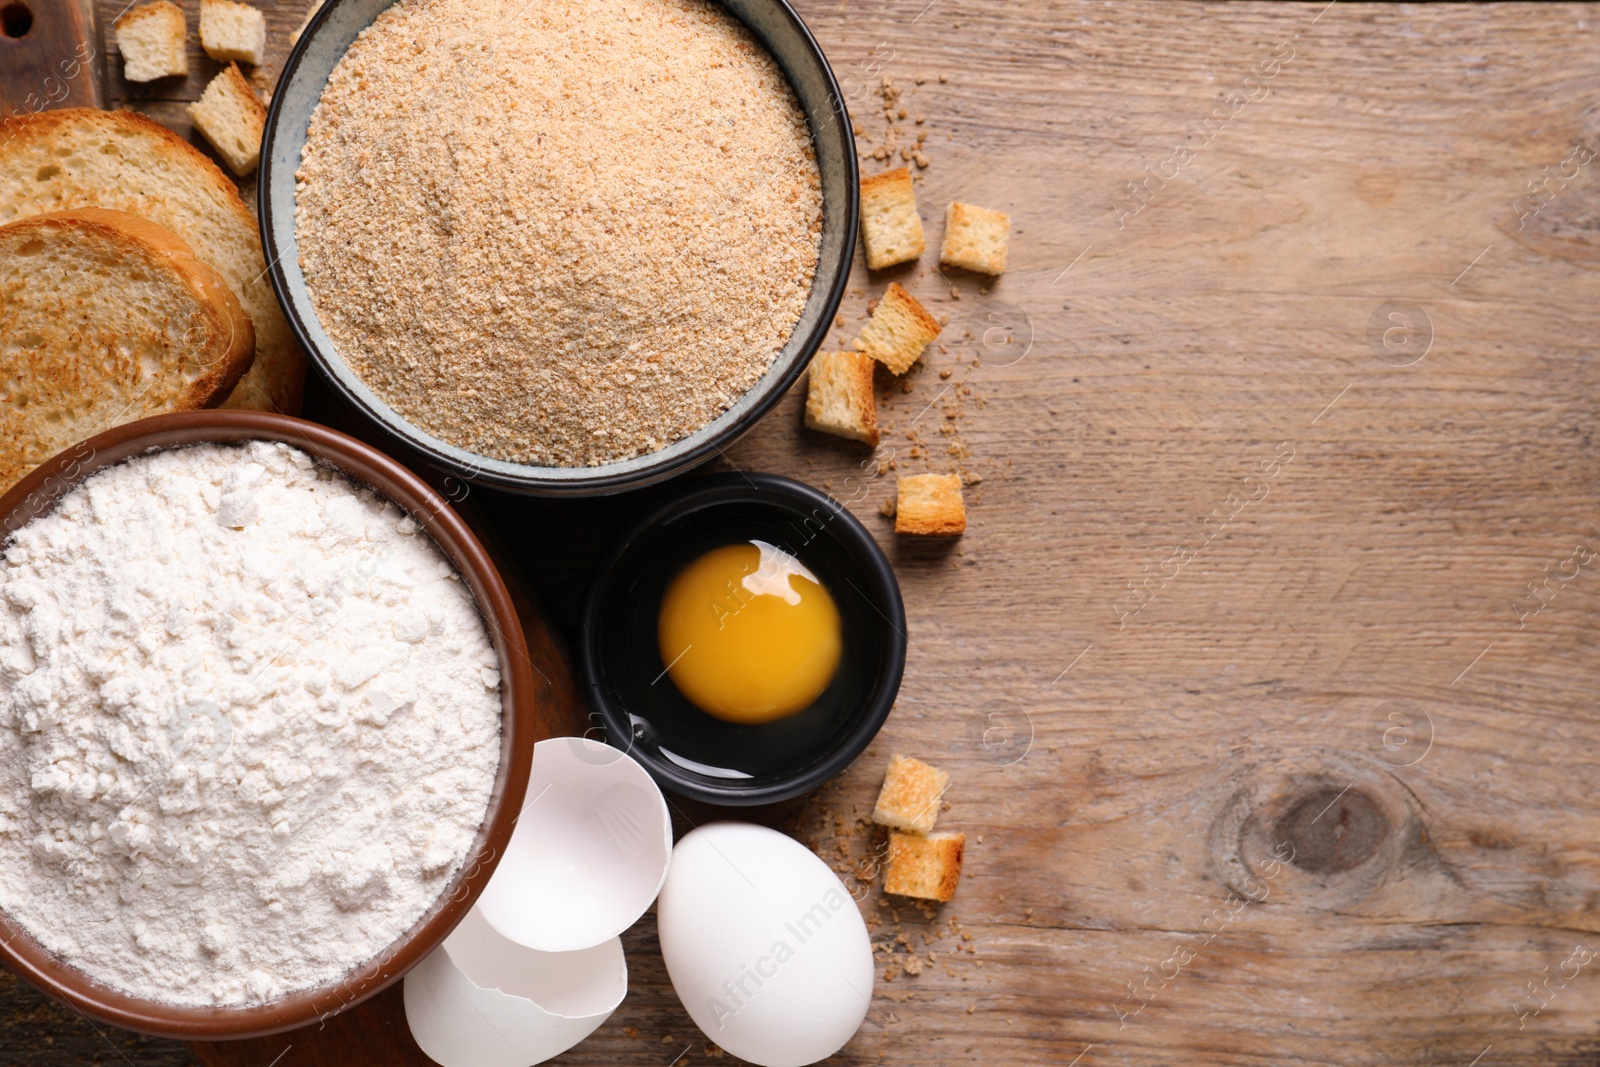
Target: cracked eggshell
(481, 1000)
(589, 852)
(764, 945)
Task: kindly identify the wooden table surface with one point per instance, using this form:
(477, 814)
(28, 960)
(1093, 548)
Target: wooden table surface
(1266, 670)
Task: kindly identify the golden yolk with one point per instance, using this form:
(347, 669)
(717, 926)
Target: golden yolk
(748, 634)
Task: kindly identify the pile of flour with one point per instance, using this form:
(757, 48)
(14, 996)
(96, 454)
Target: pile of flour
(249, 724)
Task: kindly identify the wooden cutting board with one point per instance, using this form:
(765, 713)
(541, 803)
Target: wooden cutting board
(50, 56)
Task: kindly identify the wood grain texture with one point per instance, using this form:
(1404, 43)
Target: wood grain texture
(1255, 569)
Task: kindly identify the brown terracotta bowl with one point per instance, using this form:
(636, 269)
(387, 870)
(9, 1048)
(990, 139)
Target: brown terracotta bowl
(37, 493)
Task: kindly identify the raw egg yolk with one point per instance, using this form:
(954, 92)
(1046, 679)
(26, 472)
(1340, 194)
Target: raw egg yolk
(748, 634)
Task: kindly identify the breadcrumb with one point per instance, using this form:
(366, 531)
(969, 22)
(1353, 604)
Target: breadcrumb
(571, 248)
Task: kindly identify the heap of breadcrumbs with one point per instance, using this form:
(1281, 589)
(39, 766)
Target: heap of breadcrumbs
(558, 233)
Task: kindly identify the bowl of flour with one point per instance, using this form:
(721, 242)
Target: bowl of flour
(266, 720)
(560, 248)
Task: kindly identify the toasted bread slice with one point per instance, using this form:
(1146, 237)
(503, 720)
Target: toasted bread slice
(231, 116)
(910, 797)
(82, 157)
(108, 318)
(153, 41)
(928, 868)
(899, 329)
(931, 505)
(890, 225)
(975, 238)
(232, 32)
(839, 396)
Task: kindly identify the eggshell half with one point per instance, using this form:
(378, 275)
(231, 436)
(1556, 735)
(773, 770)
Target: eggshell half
(764, 945)
(589, 851)
(481, 1000)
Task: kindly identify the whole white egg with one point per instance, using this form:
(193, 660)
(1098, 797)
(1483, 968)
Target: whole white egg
(764, 945)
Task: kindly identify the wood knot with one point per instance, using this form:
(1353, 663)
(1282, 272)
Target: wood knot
(1320, 829)
(1329, 830)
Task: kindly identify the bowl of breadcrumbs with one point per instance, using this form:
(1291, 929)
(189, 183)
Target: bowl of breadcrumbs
(560, 247)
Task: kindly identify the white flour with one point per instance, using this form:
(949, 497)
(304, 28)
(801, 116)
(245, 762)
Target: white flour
(249, 723)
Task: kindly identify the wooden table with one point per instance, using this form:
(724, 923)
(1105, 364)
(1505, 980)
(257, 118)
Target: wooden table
(1266, 669)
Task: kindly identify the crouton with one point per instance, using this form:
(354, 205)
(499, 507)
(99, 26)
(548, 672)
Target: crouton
(928, 868)
(839, 397)
(975, 238)
(930, 504)
(910, 796)
(899, 329)
(153, 41)
(232, 118)
(890, 225)
(233, 33)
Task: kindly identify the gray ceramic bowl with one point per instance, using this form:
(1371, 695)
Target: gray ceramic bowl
(775, 24)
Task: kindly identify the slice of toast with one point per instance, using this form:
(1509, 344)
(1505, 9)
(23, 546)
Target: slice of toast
(233, 33)
(911, 794)
(83, 157)
(975, 238)
(930, 505)
(839, 396)
(231, 116)
(891, 229)
(899, 329)
(153, 41)
(927, 868)
(108, 318)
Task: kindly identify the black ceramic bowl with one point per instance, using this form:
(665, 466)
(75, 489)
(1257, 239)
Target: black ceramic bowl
(695, 754)
(774, 24)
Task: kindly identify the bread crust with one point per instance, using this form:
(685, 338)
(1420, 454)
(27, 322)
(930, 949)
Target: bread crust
(229, 90)
(211, 291)
(891, 229)
(898, 331)
(278, 380)
(162, 251)
(839, 396)
(135, 67)
(914, 308)
(42, 125)
(155, 9)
